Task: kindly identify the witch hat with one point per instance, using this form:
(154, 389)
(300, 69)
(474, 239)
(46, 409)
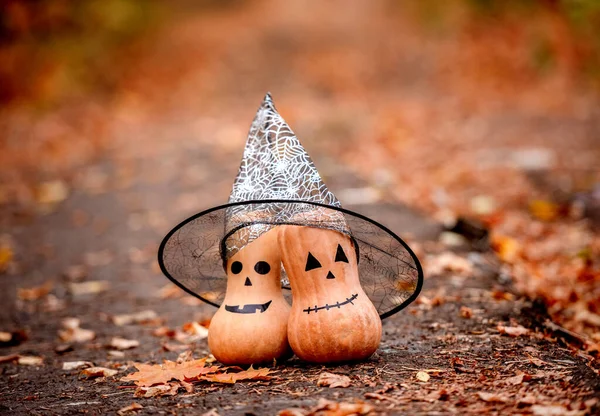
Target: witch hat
(278, 184)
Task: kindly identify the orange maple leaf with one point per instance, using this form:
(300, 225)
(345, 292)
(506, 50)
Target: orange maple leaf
(231, 378)
(149, 375)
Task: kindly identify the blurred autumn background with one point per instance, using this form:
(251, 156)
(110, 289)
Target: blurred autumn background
(483, 114)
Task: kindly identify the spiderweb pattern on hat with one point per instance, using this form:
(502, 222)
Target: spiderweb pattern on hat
(276, 166)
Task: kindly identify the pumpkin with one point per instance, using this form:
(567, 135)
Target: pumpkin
(250, 326)
(332, 319)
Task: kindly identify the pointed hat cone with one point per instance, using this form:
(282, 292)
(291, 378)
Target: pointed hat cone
(278, 183)
(276, 166)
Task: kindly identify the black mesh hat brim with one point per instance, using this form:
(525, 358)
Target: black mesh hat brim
(191, 255)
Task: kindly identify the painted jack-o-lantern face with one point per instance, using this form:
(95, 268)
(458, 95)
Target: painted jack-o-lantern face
(251, 325)
(262, 270)
(329, 272)
(332, 319)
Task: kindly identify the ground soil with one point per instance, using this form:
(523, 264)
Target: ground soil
(167, 145)
(469, 355)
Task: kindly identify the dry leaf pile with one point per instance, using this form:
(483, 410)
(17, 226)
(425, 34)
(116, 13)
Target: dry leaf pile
(167, 378)
(461, 138)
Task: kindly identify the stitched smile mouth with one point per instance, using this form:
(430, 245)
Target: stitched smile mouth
(250, 308)
(335, 305)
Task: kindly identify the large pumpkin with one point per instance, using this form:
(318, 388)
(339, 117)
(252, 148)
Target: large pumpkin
(250, 326)
(332, 319)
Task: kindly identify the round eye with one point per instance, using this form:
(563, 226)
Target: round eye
(236, 267)
(262, 267)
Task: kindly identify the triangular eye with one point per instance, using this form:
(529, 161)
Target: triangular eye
(340, 255)
(311, 263)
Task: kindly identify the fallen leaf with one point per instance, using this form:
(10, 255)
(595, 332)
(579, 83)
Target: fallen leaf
(466, 312)
(170, 291)
(156, 391)
(552, 410)
(440, 395)
(185, 356)
(448, 262)
(456, 362)
(116, 354)
(187, 386)
(94, 372)
(138, 317)
(587, 317)
(450, 239)
(423, 376)
(231, 378)
(63, 348)
(70, 323)
(518, 379)
(10, 339)
(211, 412)
(30, 360)
(502, 295)
(483, 204)
(527, 400)
(164, 331)
(170, 346)
(175, 334)
(333, 380)
(149, 375)
(131, 408)
(74, 365)
(6, 256)
(195, 329)
(52, 192)
(330, 408)
(89, 287)
(35, 293)
(293, 411)
(376, 396)
(508, 249)
(536, 361)
(52, 304)
(76, 273)
(492, 397)
(123, 344)
(73, 333)
(544, 210)
(387, 387)
(513, 331)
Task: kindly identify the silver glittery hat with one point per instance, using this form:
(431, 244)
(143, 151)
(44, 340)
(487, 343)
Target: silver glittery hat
(277, 184)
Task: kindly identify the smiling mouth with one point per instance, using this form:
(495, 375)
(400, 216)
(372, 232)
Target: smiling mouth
(335, 305)
(250, 308)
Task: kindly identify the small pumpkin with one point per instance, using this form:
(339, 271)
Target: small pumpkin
(332, 319)
(250, 326)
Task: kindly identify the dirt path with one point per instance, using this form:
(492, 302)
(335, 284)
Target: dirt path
(113, 234)
(171, 142)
